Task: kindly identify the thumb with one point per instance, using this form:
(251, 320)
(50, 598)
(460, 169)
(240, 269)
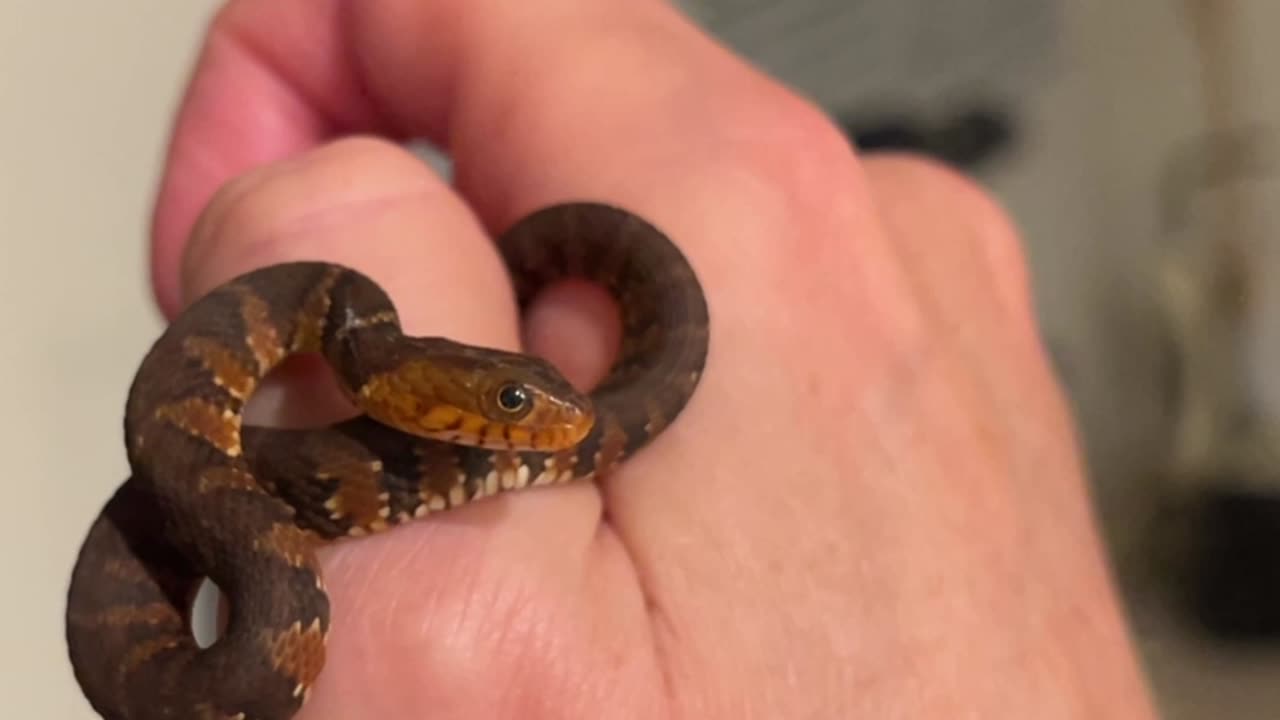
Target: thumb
(371, 206)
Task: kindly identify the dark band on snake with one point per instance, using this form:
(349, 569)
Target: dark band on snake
(443, 424)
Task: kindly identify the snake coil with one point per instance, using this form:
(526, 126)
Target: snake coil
(443, 424)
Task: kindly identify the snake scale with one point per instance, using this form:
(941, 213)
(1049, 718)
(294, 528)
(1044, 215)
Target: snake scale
(442, 424)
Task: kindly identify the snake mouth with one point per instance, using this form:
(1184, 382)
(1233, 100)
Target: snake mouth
(550, 429)
(477, 431)
(507, 436)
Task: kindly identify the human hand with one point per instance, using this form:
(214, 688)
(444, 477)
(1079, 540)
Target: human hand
(873, 505)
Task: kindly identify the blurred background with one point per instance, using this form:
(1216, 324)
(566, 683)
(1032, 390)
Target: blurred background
(1133, 142)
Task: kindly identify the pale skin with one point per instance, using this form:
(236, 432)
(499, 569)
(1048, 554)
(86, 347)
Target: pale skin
(873, 507)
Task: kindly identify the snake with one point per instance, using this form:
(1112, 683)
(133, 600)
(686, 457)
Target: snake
(440, 424)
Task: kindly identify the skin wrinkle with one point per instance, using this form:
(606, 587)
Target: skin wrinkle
(391, 617)
(280, 240)
(504, 604)
(659, 622)
(588, 686)
(538, 653)
(682, 652)
(489, 605)
(607, 548)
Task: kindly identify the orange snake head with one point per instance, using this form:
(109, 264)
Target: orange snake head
(478, 396)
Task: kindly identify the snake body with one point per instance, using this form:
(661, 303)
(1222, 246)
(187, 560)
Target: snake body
(444, 424)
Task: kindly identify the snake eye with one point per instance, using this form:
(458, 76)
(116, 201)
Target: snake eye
(512, 398)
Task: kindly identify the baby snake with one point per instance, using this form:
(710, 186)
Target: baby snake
(443, 424)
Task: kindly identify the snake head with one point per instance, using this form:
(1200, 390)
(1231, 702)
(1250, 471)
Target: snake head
(478, 396)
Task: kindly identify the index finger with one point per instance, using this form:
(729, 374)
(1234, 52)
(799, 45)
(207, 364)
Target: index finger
(534, 106)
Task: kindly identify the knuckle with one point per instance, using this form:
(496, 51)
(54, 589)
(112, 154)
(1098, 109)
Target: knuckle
(990, 229)
(947, 206)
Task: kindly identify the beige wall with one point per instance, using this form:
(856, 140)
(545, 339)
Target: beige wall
(85, 93)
